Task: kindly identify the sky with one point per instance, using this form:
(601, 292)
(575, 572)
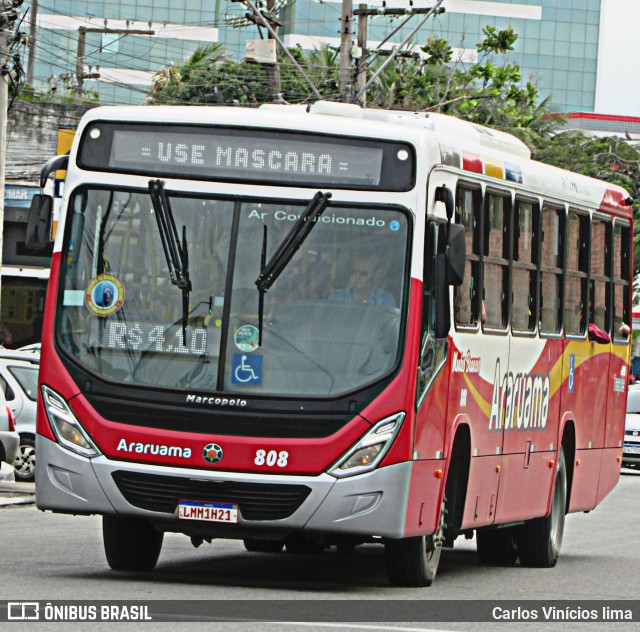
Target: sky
(618, 85)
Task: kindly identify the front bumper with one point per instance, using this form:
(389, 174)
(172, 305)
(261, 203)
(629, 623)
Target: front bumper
(10, 442)
(372, 504)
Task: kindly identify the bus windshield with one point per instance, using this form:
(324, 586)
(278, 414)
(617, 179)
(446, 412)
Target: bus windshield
(331, 321)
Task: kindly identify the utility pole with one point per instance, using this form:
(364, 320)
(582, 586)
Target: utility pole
(345, 75)
(8, 16)
(264, 22)
(428, 12)
(363, 13)
(271, 21)
(81, 75)
(361, 75)
(273, 70)
(31, 58)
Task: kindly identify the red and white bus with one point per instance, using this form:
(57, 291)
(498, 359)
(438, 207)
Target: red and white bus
(307, 327)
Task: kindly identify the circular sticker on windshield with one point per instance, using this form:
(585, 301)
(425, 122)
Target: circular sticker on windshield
(247, 338)
(104, 295)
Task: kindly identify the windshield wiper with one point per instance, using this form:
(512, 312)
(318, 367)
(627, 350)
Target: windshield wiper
(175, 252)
(299, 232)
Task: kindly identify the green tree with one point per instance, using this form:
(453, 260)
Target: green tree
(209, 75)
(487, 92)
(607, 158)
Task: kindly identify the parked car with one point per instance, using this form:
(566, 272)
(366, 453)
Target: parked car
(631, 449)
(19, 385)
(9, 438)
(33, 348)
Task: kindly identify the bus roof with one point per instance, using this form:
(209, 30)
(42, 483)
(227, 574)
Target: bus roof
(467, 146)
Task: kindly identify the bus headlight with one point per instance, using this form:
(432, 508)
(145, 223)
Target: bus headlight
(66, 427)
(369, 451)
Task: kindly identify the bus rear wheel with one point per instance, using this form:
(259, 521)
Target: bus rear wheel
(540, 539)
(130, 544)
(414, 561)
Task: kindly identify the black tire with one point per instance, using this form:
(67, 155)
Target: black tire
(263, 546)
(24, 466)
(497, 546)
(130, 544)
(414, 561)
(540, 539)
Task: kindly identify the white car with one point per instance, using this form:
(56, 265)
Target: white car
(631, 449)
(9, 438)
(19, 385)
(33, 348)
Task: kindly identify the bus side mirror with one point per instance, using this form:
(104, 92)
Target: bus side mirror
(456, 254)
(445, 195)
(449, 270)
(39, 222)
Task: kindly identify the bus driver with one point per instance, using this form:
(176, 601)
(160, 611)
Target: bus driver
(362, 288)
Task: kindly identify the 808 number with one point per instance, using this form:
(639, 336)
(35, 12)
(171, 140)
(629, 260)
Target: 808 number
(271, 458)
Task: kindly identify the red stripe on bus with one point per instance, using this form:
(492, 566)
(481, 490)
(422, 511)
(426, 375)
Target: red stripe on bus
(471, 162)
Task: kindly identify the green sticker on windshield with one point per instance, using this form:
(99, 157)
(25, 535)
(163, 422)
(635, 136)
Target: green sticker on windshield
(247, 338)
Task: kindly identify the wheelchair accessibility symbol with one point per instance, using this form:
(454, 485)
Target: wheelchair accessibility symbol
(572, 372)
(246, 369)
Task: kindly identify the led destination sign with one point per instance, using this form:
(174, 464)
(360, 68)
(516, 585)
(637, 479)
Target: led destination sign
(247, 156)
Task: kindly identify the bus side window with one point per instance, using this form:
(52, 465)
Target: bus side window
(466, 296)
(621, 280)
(600, 268)
(524, 273)
(551, 265)
(495, 263)
(576, 283)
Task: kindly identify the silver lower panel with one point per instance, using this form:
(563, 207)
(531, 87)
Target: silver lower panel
(372, 504)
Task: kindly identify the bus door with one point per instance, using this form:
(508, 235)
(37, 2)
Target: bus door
(619, 365)
(431, 393)
(480, 346)
(432, 380)
(529, 410)
(585, 368)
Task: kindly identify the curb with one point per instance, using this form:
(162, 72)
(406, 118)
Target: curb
(6, 474)
(20, 500)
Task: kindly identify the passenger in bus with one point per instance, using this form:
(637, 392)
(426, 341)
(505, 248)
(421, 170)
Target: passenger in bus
(598, 335)
(362, 285)
(6, 339)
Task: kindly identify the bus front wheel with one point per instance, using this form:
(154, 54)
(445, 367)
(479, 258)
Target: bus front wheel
(414, 561)
(539, 540)
(130, 544)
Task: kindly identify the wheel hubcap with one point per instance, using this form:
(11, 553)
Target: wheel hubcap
(25, 462)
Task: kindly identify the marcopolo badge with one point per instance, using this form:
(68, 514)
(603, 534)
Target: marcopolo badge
(212, 453)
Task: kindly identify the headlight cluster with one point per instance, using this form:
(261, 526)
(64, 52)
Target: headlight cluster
(369, 451)
(66, 427)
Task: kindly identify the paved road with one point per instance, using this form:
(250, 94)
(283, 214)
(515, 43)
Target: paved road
(60, 557)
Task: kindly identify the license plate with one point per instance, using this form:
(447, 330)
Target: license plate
(631, 449)
(209, 512)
